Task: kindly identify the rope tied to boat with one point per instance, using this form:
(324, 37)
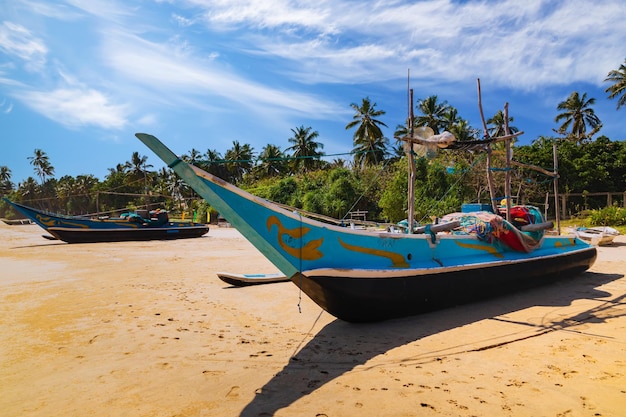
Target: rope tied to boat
(433, 235)
(300, 265)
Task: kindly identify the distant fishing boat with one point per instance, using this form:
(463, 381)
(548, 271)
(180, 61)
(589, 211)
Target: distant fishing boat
(359, 275)
(138, 225)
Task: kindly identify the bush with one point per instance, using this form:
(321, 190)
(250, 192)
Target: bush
(608, 216)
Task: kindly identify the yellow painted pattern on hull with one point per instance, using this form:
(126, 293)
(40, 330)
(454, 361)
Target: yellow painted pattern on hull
(565, 242)
(308, 252)
(396, 259)
(50, 222)
(486, 248)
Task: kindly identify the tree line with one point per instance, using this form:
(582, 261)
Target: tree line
(371, 178)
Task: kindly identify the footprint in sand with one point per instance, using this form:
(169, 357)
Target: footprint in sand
(234, 392)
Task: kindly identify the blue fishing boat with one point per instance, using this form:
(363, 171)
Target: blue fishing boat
(138, 225)
(361, 275)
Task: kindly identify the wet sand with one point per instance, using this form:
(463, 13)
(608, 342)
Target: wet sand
(147, 329)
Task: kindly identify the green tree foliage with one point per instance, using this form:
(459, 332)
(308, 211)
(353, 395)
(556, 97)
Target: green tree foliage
(608, 216)
(438, 190)
(596, 166)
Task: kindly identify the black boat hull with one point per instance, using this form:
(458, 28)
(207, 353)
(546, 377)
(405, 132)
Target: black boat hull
(75, 235)
(367, 299)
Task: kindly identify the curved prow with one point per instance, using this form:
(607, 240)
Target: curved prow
(234, 204)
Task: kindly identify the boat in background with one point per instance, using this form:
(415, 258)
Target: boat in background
(360, 275)
(597, 236)
(245, 280)
(14, 222)
(139, 225)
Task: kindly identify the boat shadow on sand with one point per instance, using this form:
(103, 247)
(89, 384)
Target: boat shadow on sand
(340, 347)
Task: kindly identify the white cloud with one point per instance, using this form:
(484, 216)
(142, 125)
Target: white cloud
(8, 108)
(74, 107)
(177, 77)
(18, 41)
(525, 45)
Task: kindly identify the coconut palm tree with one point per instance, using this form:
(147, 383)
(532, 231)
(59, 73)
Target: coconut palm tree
(137, 165)
(6, 185)
(28, 189)
(577, 115)
(137, 170)
(304, 148)
(618, 89)
(370, 145)
(41, 164)
(240, 160)
(497, 125)
(214, 164)
(433, 114)
(193, 157)
(271, 162)
(462, 130)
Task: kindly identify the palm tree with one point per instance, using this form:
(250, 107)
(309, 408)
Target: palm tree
(433, 114)
(450, 118)
(240, 160)
(497, 125)
(193, 157)
(137, 169)
(271, 162)
(304, 148)
(577, 115)
(41, 164)
(370, 145)
(214, 164)
(618, 89)
(6, 185)
(462, 130)
(28, 189)
(137, 165)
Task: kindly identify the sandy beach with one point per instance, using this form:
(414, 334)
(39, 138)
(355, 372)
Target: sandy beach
(147, 329)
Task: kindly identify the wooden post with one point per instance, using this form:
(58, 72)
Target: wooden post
(556, 189)
(507, 177)
(409, 153)
(492, 192)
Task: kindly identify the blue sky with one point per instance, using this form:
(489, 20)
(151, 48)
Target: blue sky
(79, 77)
